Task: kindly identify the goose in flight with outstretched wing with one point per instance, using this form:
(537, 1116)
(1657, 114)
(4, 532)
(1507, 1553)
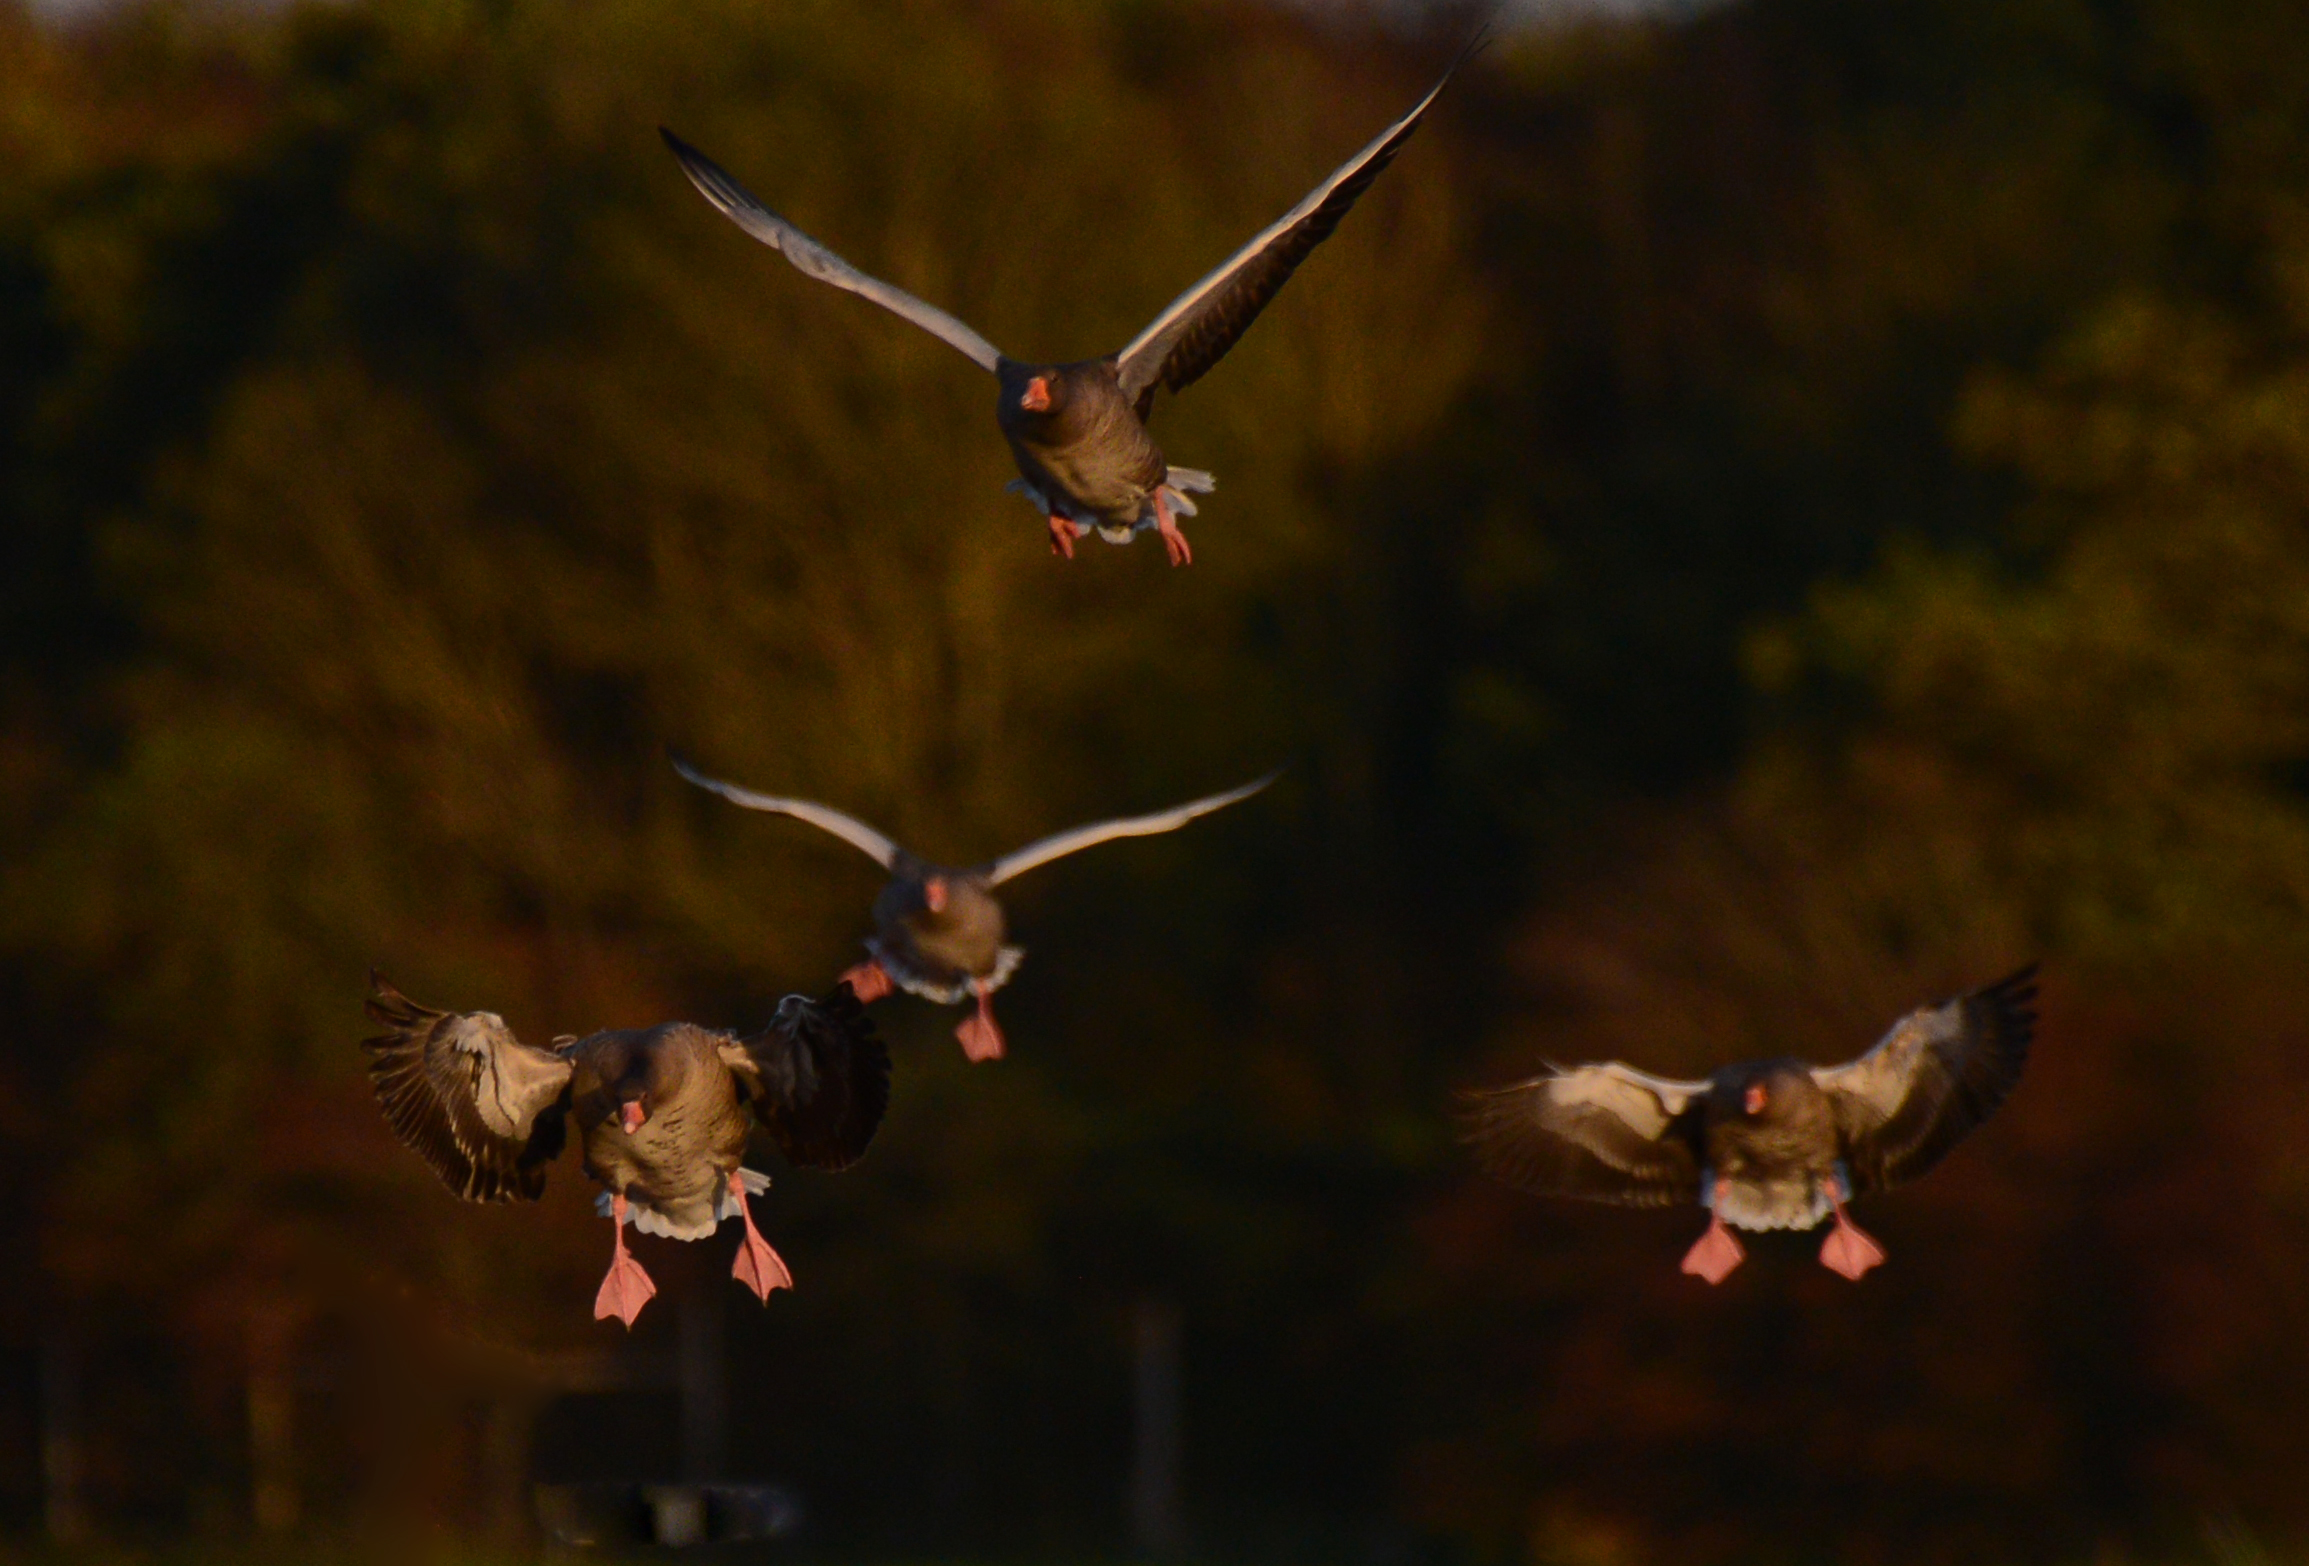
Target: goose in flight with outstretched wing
(938, 930)
(662, 1113)
(1769, 1144)
(1078, 431)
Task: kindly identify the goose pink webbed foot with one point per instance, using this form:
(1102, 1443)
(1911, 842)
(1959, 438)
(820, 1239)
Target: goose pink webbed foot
(867, 981)
(1848, 1249)
(1715, 1254)
(757, 1267)
(981, 1039)
(627, 1288)
(1061, 537)
(1173, 540)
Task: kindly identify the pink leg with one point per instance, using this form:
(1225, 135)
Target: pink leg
(868, 982)
(1168, 525)
(1061, 536)
(981, 1039)
(627, 1288)
(1716, 1253)
(757, 1267)
(1847, 1249)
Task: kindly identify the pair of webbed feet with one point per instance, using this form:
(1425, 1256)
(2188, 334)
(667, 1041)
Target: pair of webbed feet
(1062, 535)
(981, 1039)
(1848, 1250)
(628, 1288)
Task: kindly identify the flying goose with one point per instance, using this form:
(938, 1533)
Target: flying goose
(938, 929)
(1078, 431)
(1768, 1144)
(662, 1114)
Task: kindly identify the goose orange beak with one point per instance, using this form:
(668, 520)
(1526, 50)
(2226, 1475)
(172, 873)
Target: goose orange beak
(630, 1115)
(934, 894)
(1037, 398)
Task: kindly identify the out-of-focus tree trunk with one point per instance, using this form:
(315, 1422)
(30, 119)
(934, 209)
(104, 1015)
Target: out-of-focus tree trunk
(1157, 1522)
(274, 1501)
(61, 1463)
(510, 1427)
(701, 1372)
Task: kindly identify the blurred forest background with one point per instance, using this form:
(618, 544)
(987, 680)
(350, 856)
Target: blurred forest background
(1763, 518)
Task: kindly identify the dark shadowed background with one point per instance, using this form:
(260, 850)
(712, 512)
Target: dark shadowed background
(1763, 518)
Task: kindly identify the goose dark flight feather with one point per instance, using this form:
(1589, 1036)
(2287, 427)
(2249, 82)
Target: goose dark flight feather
(663, 1114)
(1078, 430)
(1196, 329)
(938, 930)
(1770, 1144)
(804, 1082)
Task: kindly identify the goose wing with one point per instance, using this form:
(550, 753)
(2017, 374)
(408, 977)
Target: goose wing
(1938, 1073)
(818, 1078)
(826, 818)
(1064, 843)
(1196, 329)
(1606, 1132)
(483, 1108)
(740, 206)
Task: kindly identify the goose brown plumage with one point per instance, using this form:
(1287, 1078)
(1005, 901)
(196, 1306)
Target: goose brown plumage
(663, 1115)
(938, 930)
(1769, 1144)
(1078, 431)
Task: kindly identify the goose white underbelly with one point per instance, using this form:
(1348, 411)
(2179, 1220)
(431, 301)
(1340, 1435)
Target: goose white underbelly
(691, 1223)
(1786, 1202)
(941, 989)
